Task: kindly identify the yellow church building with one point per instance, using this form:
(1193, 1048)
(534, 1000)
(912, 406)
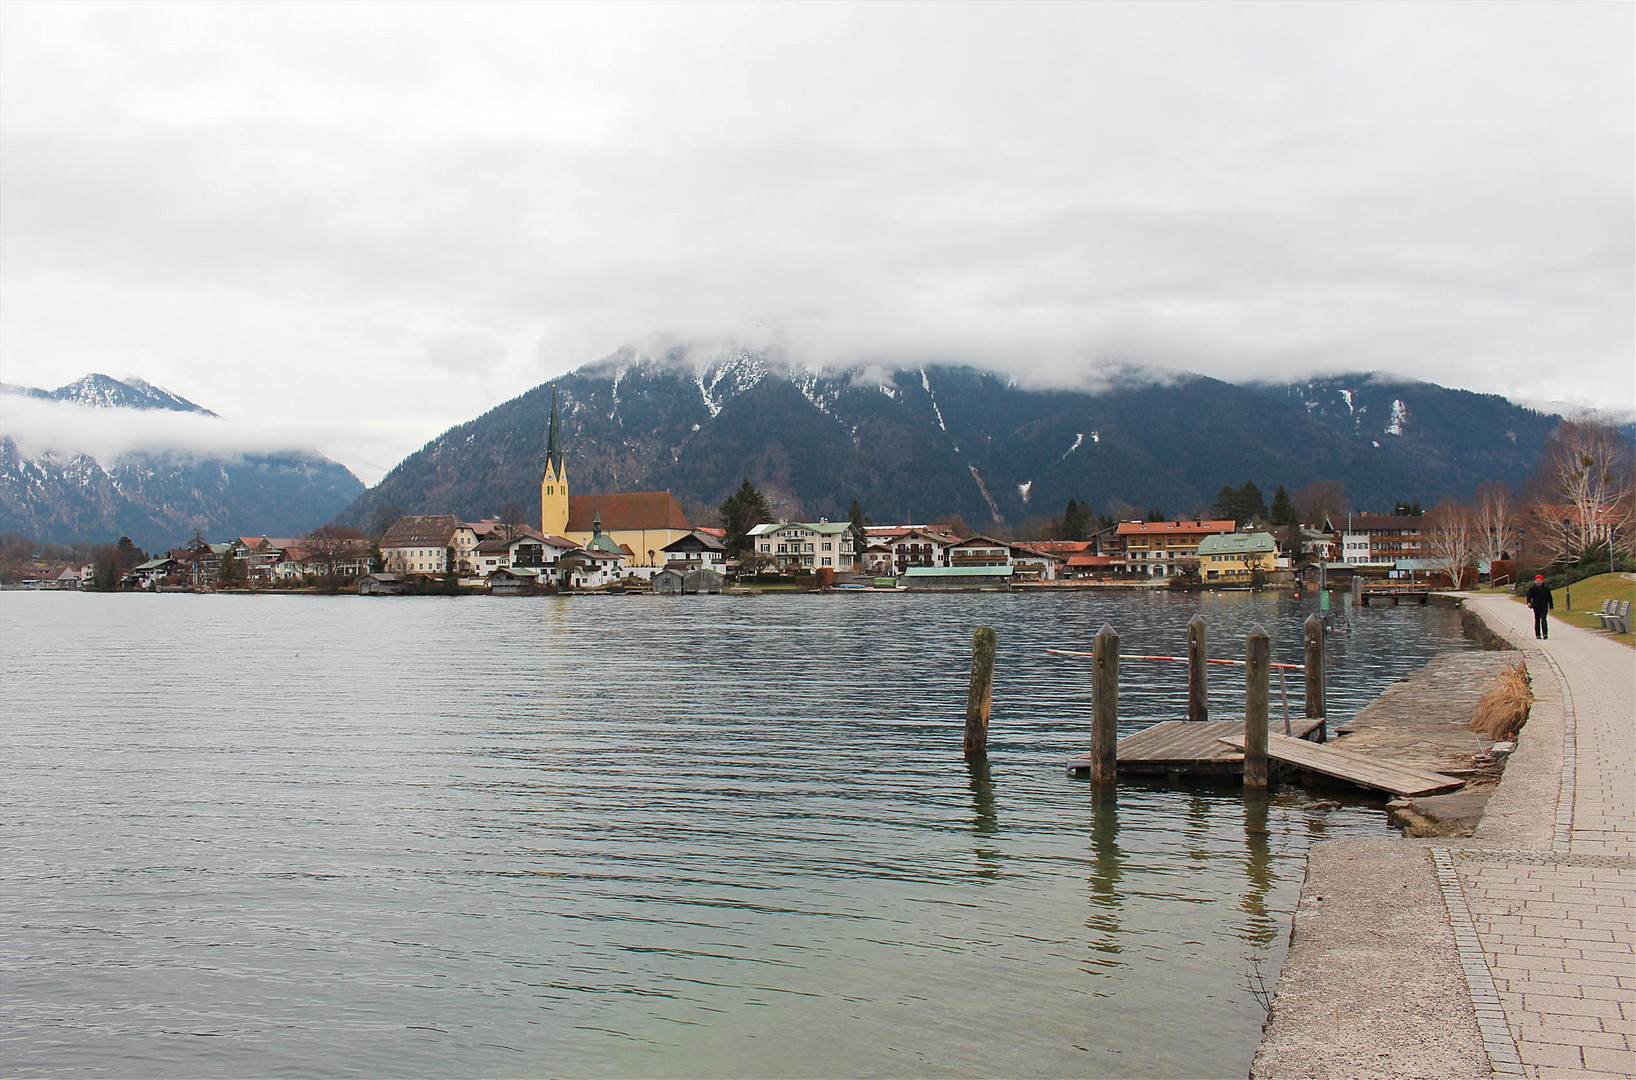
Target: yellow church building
(640, 522)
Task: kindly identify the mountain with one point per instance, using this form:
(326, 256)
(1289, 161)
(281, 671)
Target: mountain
(914, 445)
(159, 497)
(101, 391)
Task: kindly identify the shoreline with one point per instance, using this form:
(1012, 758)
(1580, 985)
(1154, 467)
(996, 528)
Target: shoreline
(1412, 957)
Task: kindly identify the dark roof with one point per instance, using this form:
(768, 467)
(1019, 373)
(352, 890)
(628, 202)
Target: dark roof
(523, 532)
(697, 540)
(625, 511)
(434, 530)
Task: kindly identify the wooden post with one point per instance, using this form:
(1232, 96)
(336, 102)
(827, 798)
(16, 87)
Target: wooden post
(980, 696)
(1198, 697)
(1105, 707)
(1316, 707)
(1257, 654)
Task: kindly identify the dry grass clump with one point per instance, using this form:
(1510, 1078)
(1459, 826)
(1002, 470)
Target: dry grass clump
(1504, 707)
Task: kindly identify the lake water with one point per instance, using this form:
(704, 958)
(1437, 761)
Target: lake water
(634, 836)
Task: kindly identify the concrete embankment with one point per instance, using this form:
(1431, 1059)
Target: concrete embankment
(1512, 952)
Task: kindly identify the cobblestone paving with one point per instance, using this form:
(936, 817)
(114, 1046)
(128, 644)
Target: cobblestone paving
(1557, 927)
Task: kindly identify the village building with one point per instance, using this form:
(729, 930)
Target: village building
(526, 548)
(1381, 539)
(1167, 548)
(697, 550)
(590, 568)
(675, 581)
(806, 545)
(640, 523)
(907, 546)
(949, 578)
(382, 584)
(419, 544)
(1079, 558)
(1236, 557)
(1026, 563)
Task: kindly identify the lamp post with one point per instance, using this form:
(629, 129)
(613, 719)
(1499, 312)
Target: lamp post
(1566, 536)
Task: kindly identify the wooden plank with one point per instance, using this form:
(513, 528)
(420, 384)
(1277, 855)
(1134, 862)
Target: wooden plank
(1178, 745)
(1356, 768)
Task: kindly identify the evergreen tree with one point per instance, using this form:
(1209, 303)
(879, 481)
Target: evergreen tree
(1075, 521)
(130, 555)
(744, 510)
(860, 537)
(1407, 509)
(1252, 506)
(1283, 510)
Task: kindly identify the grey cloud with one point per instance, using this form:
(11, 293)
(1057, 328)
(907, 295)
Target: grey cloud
(368, 199)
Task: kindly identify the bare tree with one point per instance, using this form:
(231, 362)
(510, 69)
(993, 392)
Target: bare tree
(331, 550)
(382, 519)
(1450, 539)
(1585, 490)
(1319, 500)
(510, 522)
(1497, 519)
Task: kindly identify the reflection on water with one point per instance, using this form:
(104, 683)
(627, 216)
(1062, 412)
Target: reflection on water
(632, 836)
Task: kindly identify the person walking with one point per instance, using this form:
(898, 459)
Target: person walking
(1539, 598)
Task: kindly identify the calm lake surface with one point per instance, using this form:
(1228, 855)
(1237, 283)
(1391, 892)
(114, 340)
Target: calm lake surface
(634, 836)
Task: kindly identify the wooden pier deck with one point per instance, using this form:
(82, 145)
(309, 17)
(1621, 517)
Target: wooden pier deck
(1415, 594)
(1364, 770)
(1190, 747)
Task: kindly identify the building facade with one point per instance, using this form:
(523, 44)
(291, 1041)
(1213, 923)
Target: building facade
(1167, 548)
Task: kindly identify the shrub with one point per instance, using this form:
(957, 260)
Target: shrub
(1503, 708)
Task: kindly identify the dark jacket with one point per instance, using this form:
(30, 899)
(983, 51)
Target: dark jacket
(1539, 597)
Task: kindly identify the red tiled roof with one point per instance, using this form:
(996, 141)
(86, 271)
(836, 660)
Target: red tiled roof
(1190, 527)
(1060, 547)
(626, 511)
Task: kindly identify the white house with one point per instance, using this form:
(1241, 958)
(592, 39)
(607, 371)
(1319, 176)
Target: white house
(806, 545)
(590, 568)
(696, 551)
(526, 549)
(420, 544)
(909, 545)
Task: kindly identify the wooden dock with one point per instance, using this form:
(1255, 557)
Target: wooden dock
(1415, 594)
(1190, 747)
(1364, 770)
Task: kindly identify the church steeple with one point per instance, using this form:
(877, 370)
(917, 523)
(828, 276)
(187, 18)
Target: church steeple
(553, 444)
(554, 484)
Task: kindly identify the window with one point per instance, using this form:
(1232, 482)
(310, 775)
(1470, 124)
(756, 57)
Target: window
(828, 547)
(826, 559)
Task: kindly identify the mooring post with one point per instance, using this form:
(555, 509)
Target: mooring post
(1314, 628)
(1105, 707)
(1257, 654)
(1198, 697)
(980, 697)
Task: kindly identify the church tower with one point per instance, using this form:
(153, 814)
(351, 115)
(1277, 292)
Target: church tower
(554, 485)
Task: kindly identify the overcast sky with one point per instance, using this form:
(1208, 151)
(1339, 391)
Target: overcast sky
(362, 224)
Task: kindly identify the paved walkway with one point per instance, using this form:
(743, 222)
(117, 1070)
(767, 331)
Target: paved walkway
(1546, 890)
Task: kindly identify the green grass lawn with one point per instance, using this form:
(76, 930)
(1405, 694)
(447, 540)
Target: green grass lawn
(1588, 597)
